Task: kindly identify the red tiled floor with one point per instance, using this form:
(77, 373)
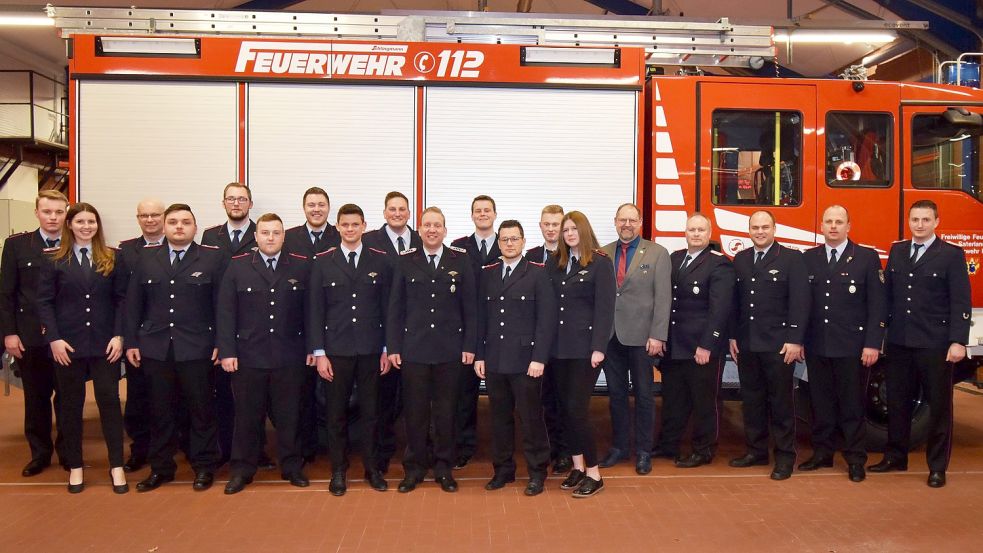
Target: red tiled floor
(712, 508)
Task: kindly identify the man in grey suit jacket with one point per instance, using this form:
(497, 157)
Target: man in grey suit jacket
(641, 326)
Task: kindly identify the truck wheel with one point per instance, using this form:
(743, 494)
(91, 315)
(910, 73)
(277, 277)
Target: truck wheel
(876, 412)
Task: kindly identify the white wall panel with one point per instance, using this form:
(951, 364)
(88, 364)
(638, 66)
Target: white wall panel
(528, 148)
(354, 141)
(170, 140)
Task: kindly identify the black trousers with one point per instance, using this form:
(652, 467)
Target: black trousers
(259, 390)
(390, 405)
(430, 396)
(766, 395)
(195, 381)
(623, 364)
(225, 411)
(553, 415)
(520, 394)
(691, 389)
(576, 379)
(909, 368)
(307, 423)
(836, 391)
(105, 384)
(467, 412)
(41, 399)
(362, 373)
(136, 411)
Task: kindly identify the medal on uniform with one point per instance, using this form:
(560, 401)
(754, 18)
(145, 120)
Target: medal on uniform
(696, 289)
(453, 288)
(853, 289)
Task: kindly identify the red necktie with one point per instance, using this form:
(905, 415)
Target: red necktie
(622, 264)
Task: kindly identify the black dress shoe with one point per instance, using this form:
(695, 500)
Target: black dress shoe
(120, 489)
(644, 463)
(562, 465)
(408, 484)
(936, 479)
(77, 488)
(574, 480)
(34, 468)
(856, 472)
(203, 481)
(663, 453)
(887, 465)
(134, 463)
(749, 460)
(781, 472)
(154, 481)
(297, 480)
(589, 487)
(613, 457)
(447, 483)
(461, 462)
(499, 481)
(339, 484)
(535, 487)
(236, 484)
(694, 460)
(815, 462)
(265, 463)
(376, 481)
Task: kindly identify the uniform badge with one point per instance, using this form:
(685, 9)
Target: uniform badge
(292, 281)
(453, 288)
(716, 334)
(773, 271)
(880, 275)
(584, 272)
(972, 266)
(196, 274)
(373, 275)
(453, 274)
(852, 289)
(696, 289)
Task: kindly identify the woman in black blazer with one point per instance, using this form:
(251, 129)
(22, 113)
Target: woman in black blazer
(584, 283)
(80, 296)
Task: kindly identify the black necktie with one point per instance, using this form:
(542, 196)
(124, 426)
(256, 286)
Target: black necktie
(433, 261)
(483, 251)
(85, 258)
(269, 263)
(51, 243)
(573, 263)
(758, 256)
(914, 255)
(235, 239)
(832, 258)
(317, 235)
(686, 262)
(351, 260)
(400, 244)
(177, 257)
(508, 271)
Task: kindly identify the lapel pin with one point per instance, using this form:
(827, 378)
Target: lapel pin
(196, 274)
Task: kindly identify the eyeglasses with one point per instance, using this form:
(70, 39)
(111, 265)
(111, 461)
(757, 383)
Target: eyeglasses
(146, 216)
(234, 200)
(509, 239)
(624, 221)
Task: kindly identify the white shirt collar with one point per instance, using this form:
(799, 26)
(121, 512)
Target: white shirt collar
(765, 250)
(266, 258)
(311, 229)
(345, 251)
(928, 243)
(46, 237)
(160, 240)
(438, 253)
(693, 256)
(78, 251)
(231, 229)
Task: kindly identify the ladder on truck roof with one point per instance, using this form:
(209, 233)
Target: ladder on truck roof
(667, 41)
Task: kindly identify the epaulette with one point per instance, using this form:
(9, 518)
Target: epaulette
(209, 247)
(52, 249)
(458, 249)
(297, 255)
(715, 252)
(157, 245)
(899, 241)
(407, 251)
(20, 233)
(378, 251)
(121, 242)
(329, 250)
(492, 265)
(210, 228)
(537, 264)
(241, 255)
(113, 248)
(600, 253)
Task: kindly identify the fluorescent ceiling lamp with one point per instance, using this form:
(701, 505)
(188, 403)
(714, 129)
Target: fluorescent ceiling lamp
(149, 46)
(815, 36)
(579, 56)
(25, 20)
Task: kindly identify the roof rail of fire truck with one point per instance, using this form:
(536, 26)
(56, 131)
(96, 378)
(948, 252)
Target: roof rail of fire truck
(959, 63)
(667, 41)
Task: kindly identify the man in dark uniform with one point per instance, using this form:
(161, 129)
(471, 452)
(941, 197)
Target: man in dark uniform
(846, 330)
(517, 316)
(431, 333)
(234, 237)
(772, 312)
(22, 340)
(702, 303)
(261, 311)
(394, 237)
(928, 327)
(169, 333)
(549, 225)
(136, 414)
(482, 248)
(314, 236)
(346, 331)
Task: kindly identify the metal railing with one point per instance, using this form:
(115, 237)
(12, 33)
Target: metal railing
(33, 107)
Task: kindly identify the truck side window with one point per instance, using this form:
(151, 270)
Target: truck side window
(757, 157)
(945, 157)
(858, 149)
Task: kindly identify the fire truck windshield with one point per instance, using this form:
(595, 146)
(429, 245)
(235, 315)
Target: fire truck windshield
(946, 154)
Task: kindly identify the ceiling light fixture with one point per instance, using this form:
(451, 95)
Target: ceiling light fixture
(815, 36)
(25, 20)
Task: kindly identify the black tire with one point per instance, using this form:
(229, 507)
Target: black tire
(876, 412)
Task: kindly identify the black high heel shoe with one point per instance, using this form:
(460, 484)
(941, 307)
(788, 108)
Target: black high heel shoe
(120, 489)
(75, 488)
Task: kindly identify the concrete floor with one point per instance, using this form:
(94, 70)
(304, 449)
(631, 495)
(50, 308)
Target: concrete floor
(712, 508)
